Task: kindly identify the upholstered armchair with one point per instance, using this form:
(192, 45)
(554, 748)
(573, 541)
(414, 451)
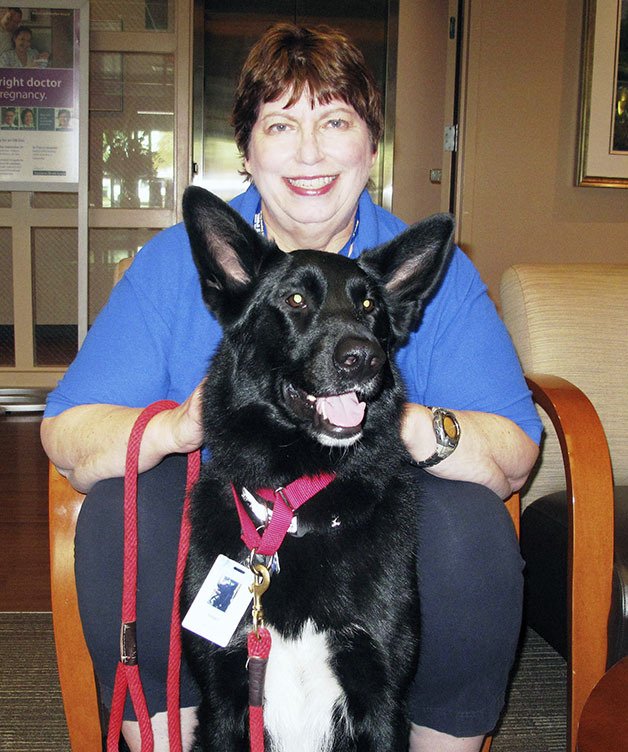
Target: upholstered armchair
(569, 324)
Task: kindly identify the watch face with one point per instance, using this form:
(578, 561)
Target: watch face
(450, 427)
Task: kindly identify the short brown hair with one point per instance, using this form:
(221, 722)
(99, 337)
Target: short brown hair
(22, 30)
(319, 59)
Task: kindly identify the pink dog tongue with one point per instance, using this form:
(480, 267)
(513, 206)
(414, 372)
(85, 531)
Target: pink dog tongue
(342, 410)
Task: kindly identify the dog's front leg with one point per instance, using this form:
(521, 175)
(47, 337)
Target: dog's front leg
(223, 712)
(375, 710)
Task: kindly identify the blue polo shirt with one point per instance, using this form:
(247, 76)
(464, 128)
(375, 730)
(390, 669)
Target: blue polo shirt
(154, 339)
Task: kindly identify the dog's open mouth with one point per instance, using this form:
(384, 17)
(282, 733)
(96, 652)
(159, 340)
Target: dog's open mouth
(335, 418)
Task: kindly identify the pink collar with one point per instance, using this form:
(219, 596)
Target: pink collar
(286, 501)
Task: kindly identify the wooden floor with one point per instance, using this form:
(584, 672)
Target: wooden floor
(24, 567)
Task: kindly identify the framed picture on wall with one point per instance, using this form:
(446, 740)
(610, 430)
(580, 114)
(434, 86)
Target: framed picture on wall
(43, 102)
(603, 148)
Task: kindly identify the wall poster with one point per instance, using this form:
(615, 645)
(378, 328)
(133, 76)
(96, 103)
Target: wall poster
(43, 72)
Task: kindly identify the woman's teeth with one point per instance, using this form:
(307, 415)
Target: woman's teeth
(311, 183)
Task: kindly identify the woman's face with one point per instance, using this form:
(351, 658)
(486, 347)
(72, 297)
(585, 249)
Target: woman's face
(23, 41)
(28, 118)
(310, 164)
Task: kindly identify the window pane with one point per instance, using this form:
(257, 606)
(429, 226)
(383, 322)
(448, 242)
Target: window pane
(54, 200)
(131, 15)
(131, 130)
(5, 200)
(106, 248)
(7, 341)
(55, 282)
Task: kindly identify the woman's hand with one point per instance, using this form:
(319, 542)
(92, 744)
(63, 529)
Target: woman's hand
(493, 451)
(88, 443)
(177, 431)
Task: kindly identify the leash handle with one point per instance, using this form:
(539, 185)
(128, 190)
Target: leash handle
(129, 594)
(127, 674)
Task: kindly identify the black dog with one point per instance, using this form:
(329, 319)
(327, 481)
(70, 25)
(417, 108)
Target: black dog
(303, 383)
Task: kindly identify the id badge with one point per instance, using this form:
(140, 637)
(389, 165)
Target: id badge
(221, 602)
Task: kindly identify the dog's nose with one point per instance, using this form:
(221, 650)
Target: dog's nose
(359, 358)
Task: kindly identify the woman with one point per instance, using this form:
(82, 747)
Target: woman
(27, 118)
(307, 120)
(22, 55)
(63, 120)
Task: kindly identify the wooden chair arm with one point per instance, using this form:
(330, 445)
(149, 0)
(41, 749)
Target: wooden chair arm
(513, 505)
(76, 673)
(591, 528)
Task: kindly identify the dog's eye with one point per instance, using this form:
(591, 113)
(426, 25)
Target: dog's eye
(296, 300)
(368, 305)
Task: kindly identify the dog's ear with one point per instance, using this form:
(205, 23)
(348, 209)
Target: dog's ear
(409, 268)
(227, 251)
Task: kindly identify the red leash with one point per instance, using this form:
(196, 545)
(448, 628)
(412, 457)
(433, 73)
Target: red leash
(128, 674)
(285, 502)
(173, 689)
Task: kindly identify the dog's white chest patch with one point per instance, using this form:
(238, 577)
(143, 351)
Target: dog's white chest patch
(301, 693)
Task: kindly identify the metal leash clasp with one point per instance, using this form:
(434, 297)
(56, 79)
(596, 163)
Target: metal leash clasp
(261, 582)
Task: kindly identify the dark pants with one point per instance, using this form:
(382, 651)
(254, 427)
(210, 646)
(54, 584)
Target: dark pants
(470, 583)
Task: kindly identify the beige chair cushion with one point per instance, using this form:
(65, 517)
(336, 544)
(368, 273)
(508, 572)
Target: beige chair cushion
(571, 320)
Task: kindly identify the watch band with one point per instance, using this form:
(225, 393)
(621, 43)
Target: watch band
(447, 432)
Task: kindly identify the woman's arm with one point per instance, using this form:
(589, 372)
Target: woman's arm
(88, 443)
(493, 451)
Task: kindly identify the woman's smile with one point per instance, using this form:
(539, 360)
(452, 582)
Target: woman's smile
(311, 186)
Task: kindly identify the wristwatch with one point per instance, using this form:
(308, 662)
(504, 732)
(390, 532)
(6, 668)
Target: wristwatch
(447, 432)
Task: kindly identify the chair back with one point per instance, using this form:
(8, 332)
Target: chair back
(571, 320)
(120, 268)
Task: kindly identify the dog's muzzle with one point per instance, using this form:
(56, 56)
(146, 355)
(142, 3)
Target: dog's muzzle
(335, 419)
(338, 419)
